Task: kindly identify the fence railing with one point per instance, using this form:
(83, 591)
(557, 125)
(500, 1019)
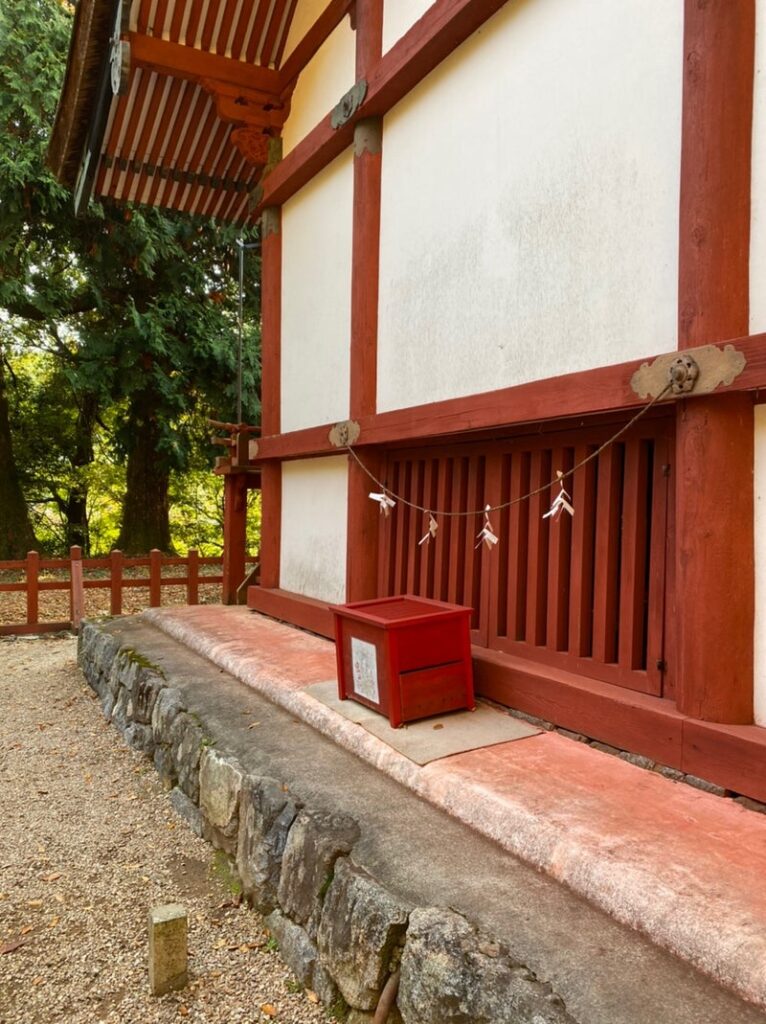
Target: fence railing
(113, 568)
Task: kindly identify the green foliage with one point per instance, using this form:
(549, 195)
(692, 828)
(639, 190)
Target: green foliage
(119, 326)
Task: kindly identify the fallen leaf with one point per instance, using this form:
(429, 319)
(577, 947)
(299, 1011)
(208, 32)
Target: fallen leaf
(34, 903)
(42, 792)
(9, 947)
(253, 725)
(38, 980)
(27, 929)
(52, 877)
(269, 1009)
(438, 726)
(183, 1010)
(221, 943)
(244, 948)
(312, 996)
(59, 898)
(53, 922)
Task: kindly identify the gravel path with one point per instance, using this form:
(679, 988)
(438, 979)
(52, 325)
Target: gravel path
(88, 842)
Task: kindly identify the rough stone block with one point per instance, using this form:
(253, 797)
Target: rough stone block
(704, 785)
(186, 739)
(266, 814)
(119, 716)
(315, 842)
(168, 705)
(450, 975)
(220, 785)
(185, 809)
(669, 773)
(295, 947)
(145, 692)
(140, 737)
(361, 926)
(167, 949)
(639, 760)
(165, 764)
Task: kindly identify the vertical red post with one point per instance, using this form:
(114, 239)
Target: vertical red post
(76, 589)
(192, 577)
(363, 515)
(155, 578)
(115, 582)
(33, 587)
(234, 534)
(271, 332)
(714, 448)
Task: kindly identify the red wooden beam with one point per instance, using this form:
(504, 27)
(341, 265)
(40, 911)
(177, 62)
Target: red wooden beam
(181, 61)
(604, 389)
(714, 448)
(444, 26)
(362, 547)
(271, 333)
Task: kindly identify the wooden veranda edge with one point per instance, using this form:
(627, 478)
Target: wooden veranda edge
(587, 392)
(444, 26)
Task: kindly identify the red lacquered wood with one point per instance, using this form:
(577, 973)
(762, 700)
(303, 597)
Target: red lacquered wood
(76, 591)
(297, 609)
(33, 602)
(714, 453)
(606, 563)
(633, 559)
(271, 333)
(537, 540)
(583, 491)
(362, 530)
(234, 535)
(192, 582)
(418, 642)
(115, 583)
(559, 553)
(155, 578)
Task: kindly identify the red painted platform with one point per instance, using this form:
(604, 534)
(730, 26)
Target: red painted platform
(685, 867)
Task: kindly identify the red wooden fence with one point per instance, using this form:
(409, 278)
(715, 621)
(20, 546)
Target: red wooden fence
(115, 582)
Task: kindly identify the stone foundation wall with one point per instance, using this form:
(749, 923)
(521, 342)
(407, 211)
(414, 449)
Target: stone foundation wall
(341, 932)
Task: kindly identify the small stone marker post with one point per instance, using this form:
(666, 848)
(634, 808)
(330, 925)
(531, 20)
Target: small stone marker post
(167, 949)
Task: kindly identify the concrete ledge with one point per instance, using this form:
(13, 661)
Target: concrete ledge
(359, 875)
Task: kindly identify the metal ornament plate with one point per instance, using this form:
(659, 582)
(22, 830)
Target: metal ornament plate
(349, 104)
(344, 434)
(716, 366)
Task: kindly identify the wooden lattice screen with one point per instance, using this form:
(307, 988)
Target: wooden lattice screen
(584, 593)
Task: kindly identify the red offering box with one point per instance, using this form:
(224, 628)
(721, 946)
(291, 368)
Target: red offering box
(407, 657)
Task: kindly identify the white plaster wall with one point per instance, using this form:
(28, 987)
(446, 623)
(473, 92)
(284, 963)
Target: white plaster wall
(329, 74)
(316, 299)
(399, 16)
(313, 544)
(530, 201)
(760, 566)
(758, 184)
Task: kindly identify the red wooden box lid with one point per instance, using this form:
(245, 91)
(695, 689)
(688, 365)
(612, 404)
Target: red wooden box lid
(403, 610)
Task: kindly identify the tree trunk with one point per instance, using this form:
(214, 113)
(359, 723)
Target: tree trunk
(16, 533)
(146, 509)
(76, 505)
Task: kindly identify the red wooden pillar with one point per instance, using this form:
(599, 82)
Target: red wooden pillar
(271, 330)
(234, 534)
(363, 514)
(714, 451)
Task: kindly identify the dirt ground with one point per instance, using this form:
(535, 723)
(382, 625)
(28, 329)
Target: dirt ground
(88, 843)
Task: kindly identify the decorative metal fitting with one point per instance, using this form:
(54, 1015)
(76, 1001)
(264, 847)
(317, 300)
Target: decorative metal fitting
(683, 373)
(348, 105)
(344, 434)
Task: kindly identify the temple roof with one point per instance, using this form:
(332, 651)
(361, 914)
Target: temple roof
(172, 102)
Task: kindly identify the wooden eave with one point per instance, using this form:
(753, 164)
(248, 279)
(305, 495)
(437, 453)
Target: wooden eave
(204, 97)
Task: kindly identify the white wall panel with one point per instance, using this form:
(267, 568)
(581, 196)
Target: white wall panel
(316, 298)
(313, 542)
(399, 16)
(758, 189)
(530, 201)
(328, 75)
(760, 565)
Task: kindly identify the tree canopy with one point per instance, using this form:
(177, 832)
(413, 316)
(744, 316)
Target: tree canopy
(133, 310)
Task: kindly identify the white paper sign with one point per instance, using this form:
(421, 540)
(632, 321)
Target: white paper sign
(364, 669)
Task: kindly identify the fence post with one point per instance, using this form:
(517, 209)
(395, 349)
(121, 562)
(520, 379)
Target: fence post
(192, 577)
(76, 590)
(33, 572)
(234, 535)
(115, 581)
(155, 576)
